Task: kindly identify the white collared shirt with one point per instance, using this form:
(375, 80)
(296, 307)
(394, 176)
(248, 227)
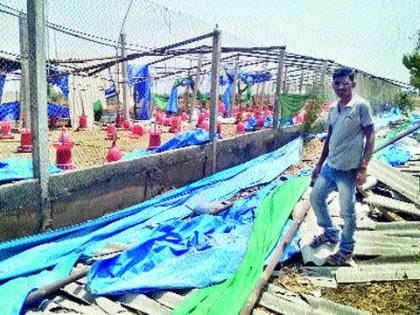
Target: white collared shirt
(346, 144)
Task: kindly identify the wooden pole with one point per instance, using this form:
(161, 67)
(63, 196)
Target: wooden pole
(301, 210)
(277, 105)
(38, 103)
(215, 65)
(195, 91)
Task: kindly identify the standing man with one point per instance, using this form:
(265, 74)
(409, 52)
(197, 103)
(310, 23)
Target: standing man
(346, 155)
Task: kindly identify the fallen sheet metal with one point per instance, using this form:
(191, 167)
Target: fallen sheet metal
(393, 204)
(144, 304)
(378, 272)
(286, 302)
(407, 185)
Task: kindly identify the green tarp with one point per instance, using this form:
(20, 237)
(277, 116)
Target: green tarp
(160, 100)
(291, 104)
(230, 296)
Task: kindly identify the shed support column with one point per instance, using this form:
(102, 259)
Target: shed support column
(38, 104)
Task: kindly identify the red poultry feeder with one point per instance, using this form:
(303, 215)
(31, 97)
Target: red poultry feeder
(25, 141)
(119, 119)
(138, 131)
(240, 128)
(201, 118)
(114, 154)
(219, 127)
(175, 128)
(166, 121)
(184, 116)
(5, 129)
(205, 125)
(111, 132)
(238, 116)
(159, 117)
(82, 122)
(64, 146)
(154, 139)
(126, 124)
(260, 123)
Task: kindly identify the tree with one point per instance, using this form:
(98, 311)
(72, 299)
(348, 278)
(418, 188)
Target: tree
(412, 62)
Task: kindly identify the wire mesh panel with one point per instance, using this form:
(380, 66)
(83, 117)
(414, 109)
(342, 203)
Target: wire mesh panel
(129, 62)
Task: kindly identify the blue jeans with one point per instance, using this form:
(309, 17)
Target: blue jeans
(329, 180)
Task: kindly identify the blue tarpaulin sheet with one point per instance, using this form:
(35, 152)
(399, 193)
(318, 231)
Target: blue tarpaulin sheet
(251, 124)
(139, 78)
(394, 155)
(60, 79)
(172, 106)
(385, 119)
(11, 110)
(19, 168)
(32, 255)
(182, 254)
(195, 136)
(2, 81)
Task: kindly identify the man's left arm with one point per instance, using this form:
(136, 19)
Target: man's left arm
(369, 133)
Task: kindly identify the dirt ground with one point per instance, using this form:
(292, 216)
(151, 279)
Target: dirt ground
(90, 147)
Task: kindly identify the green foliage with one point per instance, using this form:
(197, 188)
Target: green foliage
(53, 95)
(404, 101)
(412, 62)
(313, 108)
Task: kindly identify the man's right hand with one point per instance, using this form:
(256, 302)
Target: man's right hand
(316, 171)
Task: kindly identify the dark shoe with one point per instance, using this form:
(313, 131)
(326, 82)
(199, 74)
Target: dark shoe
(340, 258)
(321, 240)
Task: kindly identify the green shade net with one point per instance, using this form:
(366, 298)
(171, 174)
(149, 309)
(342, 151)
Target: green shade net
(230, 296)
(160, 100)
(291, 104)
(203, 97)
(248, 95)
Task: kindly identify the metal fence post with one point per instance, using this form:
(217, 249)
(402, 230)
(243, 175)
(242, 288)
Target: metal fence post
(24, 76)
(124, 77)
(38, 103)
(215, 65)
(277, 105)
(195, 91)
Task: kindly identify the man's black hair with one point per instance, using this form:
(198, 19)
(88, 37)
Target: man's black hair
(344, 71)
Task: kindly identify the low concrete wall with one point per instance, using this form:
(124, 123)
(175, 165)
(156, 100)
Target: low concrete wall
(80, 195)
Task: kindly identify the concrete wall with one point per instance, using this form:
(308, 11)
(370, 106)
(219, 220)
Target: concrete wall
(80, 195)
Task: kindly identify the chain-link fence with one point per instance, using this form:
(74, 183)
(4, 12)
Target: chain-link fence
(110, 61)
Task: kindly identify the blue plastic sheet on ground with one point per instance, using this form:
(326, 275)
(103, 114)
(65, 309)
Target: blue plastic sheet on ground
(19, 168)
(195, 136)
(394, 154)
(183, 254)
(32, 255)
(384, 119)
(58, 110)
(136, 154)
(12, 302)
